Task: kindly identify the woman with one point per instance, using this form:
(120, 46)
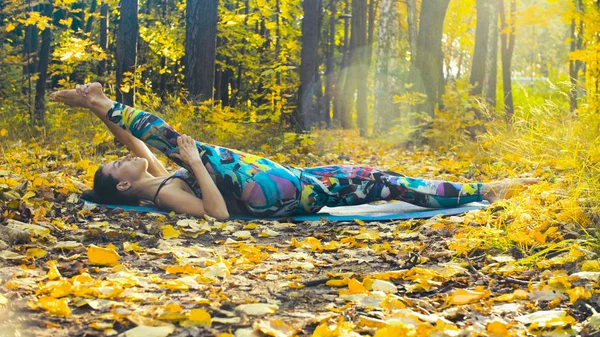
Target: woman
(215, 180)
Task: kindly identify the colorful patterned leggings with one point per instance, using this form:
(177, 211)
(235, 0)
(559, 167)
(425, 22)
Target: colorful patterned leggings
(269, 189)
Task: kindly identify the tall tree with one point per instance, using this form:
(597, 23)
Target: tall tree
(387, 67)
(576, 44)
(359, 62)
(44, 60)
(355, 74)
(103, 36)
(429, 57)
(371, 29)
(342, 115)
(127, 40)
(90, 21)
(200, 48)
(306, 112)
(413, 29)
(30, 47)
(330, 64)
(481, 45)
(491, 61)
(507, 42)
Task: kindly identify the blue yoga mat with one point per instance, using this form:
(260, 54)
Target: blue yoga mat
(390, 211)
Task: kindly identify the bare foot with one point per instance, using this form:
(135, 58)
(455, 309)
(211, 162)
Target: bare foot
(506, 188)
(83, 96)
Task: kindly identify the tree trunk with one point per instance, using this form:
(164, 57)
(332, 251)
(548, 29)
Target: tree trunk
(103, 37)
(359, 63)
(305, 115)
(30, 49)
(371, 30)
(508, 46)
(481, 45)
(330, 66)
(127, 40)
(278, 37)
(44, 60)
(341, 114)
(491, 61)
(411, 9)
(200, 48)
(78, 16)
(90, 21)
(429, 56)
(240, 69)
(387, 65)
(576, 44)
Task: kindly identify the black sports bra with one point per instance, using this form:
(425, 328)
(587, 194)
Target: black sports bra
(164, 182)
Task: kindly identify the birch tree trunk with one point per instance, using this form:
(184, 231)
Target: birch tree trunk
(386, 65)
(491, 61)
(507, 39)
(481, 45)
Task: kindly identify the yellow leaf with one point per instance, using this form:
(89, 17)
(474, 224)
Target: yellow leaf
(102, 256)
(169, 232)
(132, 247)
(518, 294)
(497, 329)
(55, 306)
(173, 307)
(251, 226)
(354, 287)
(62, 289)
(539, 237)
(577, 293)
(176, 285)
(3, 132)
(463, 296)
(36, 252)
(395, 329)
(101, 326)
(590, 265)
(53, 272)
(199, 317)
(337, 283)
(187, 269)
(295, 285)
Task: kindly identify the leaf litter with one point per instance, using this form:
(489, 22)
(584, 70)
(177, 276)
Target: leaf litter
(527, 265)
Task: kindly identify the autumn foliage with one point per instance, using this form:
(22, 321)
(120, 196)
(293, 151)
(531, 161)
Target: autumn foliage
(527, 265)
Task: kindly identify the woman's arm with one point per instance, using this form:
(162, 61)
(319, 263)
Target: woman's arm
(136, 146)
(212, 199)
(100, 107)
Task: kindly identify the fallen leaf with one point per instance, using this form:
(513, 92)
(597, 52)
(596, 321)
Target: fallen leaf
(102, 256)
(275, 328)
(198, 317)
(36, 252)
(464, 296)
(257, 309)
(150, 331)
(169, 232)
(55, 306)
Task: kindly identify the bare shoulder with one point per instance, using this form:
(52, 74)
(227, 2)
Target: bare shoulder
(179, 200)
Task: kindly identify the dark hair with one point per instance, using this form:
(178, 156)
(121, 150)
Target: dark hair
(105, 191)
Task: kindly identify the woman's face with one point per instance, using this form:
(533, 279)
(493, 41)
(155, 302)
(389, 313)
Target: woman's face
(127, 168)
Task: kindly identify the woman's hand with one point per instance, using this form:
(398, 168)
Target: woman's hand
(188, 152)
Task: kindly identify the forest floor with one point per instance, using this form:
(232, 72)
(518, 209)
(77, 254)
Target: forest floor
(524, 266)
